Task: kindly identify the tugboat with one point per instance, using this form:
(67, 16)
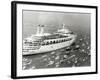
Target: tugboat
(45, 42)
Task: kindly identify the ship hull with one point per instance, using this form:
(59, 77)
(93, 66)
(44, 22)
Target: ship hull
(49, 48)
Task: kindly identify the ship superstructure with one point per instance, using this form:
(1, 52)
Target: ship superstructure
(44, 42)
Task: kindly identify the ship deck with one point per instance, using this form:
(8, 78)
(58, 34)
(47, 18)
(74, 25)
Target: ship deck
(53, 36)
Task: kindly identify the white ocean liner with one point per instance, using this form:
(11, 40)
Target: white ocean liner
(44, 42)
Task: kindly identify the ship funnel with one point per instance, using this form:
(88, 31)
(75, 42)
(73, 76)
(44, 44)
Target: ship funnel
(42, 29)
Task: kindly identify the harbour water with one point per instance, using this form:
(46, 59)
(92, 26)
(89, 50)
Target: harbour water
(76, 55)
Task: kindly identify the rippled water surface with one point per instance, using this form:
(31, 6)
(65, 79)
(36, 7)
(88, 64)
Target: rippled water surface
(76, 55)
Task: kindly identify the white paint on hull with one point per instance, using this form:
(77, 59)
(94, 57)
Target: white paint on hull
(51, 47)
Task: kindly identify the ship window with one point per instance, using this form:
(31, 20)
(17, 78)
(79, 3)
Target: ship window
(50, 42)
(64, 40)
(29, 42)
(35, 44)
(66, 36)
(57, 41)
(43, 43)
(47, 43)
(68, 39)
(30, 45)
(25, 42)
(53, 41)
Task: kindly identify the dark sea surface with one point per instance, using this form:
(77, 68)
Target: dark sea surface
(76, 55)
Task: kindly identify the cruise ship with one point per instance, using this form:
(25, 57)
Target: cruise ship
(43, 42)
